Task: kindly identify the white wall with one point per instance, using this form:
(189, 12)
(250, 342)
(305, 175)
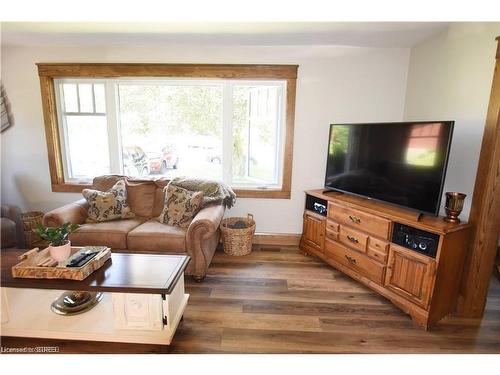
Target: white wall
(450, 78)
(335, 84)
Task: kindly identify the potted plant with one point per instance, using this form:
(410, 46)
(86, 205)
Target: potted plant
(60, 246)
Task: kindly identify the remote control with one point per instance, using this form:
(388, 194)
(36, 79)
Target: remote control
(81, 259)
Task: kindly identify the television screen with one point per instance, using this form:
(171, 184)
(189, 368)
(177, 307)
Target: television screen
(398, 163)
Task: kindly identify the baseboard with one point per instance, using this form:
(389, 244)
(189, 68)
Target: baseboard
(284, 239)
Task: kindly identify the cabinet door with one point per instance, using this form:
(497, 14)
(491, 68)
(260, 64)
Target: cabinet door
(313, 232)
(410, 275)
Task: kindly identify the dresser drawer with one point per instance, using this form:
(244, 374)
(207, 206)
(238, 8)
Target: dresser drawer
(378, 245)
(332, 230)
(377, 255)
(355, 261)
(332, 225)
(367, 222)
(353, 238)
(332, 234)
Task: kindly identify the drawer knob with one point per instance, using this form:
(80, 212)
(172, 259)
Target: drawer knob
(355, 219)
(352, 239)
(350, 259)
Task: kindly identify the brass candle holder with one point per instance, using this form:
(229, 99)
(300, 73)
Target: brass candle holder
(453, 207)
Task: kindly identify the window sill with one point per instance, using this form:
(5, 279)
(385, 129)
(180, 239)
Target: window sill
(240, 193)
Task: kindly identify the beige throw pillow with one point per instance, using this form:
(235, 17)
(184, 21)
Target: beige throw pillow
(108, 205)
(180, 206)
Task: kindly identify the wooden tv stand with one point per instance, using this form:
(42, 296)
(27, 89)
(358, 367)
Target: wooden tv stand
(355, 238)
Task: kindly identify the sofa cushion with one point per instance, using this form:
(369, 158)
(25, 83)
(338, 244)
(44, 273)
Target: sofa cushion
(105, 182)
(181, 206)
(156, 237)
(141, 196)
(145, 196)
(108, 205)
(109, 233)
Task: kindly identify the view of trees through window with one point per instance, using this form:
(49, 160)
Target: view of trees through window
(171, 129)
(177, 128)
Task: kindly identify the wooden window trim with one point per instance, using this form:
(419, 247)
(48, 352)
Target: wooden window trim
(47, 72)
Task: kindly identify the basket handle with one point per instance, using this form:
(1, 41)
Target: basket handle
(249, 217)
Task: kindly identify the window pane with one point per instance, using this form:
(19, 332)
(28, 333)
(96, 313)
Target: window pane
(70, 97)
(86, 100)
(87, 146)
(255, 134)
(100, 98)
(171, 130)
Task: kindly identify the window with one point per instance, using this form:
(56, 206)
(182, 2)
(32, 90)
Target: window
(84, 129)
(229, 124)
(173, 128)
(256, 132)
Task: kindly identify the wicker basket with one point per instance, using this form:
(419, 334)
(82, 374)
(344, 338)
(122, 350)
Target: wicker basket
(30, 221)
(237, 241)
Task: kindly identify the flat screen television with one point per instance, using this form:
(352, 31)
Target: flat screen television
(402, 163)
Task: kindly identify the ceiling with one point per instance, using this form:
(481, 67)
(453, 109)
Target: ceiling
(365, 34)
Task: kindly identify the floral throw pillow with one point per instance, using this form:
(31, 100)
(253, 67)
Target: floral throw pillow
(180, 206)
(108, 205)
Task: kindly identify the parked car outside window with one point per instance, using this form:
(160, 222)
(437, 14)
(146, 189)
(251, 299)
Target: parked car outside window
(160, 162)
(135, 161)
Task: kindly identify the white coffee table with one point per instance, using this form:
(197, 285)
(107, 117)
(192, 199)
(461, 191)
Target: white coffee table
(143, 301)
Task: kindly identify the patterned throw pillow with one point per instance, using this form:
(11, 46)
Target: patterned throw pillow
(180, 206)
(108, 205)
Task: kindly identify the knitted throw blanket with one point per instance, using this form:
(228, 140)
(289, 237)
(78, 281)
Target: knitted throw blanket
(214, 192)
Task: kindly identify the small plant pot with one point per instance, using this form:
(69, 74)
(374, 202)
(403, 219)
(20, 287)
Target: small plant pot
(60, 253)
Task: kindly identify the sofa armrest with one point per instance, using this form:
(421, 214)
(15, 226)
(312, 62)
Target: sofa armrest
(75, 213)
(206, 222)
(202, 238)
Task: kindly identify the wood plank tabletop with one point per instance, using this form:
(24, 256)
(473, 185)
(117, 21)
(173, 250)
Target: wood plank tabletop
(123, 273)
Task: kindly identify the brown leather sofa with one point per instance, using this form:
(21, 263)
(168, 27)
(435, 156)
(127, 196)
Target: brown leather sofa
(144, 234)
(12, 227)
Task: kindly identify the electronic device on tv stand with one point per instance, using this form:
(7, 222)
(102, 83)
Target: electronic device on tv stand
(400, 163)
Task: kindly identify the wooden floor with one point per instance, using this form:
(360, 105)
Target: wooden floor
(277, 300)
